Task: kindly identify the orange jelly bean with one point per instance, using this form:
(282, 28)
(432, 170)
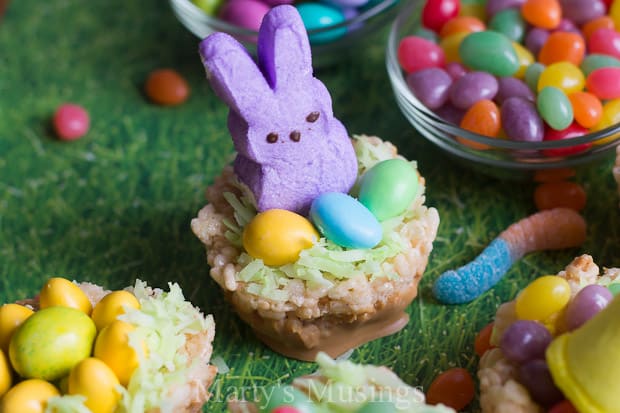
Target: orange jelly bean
(564, 194)
(554, 175)
(482, 343)
(166, 87)
(587, 108)
(603, 22)
(545, 14)
(563, 47)
(462, 24)
(454, 388)
(483, 118)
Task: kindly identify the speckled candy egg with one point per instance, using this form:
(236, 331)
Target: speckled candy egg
(343, 220)
(277, 236)
(388, 188)
(50, 342)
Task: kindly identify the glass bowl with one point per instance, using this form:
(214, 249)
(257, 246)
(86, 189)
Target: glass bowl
(503, 158)
(360, 29)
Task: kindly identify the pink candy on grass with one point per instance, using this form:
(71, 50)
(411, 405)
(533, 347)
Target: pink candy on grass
(70, 122)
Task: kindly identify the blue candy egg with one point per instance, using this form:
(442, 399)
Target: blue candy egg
(318, 16)
(345, 221)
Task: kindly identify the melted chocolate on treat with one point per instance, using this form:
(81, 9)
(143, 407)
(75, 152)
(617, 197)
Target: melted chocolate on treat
(302, 339)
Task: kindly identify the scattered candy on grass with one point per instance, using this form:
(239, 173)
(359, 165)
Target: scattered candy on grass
(166, 87)
(454, 388)
(70, 122)
(546, 230)
(562, 194)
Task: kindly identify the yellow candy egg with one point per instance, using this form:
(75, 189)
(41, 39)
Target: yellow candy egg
(525, 58)
(59, 291)
(93, 379)
(277, 236)
(112, 347)
(6, 378)
(542, 298)
(29, 396)
(111, 306)
(11, 317)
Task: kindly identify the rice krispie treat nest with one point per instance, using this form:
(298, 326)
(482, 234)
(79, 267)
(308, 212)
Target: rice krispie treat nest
(332, 299)
(501, 385)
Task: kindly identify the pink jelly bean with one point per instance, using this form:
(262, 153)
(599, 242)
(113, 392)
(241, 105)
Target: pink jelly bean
(604, 83)
(437, 12)
(416, 53)
(605, 41)
(573, 131)
(70, 122)
(245, 13)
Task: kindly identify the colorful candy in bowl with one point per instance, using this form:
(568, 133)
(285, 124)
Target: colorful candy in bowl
(509, 87)
(334, 26)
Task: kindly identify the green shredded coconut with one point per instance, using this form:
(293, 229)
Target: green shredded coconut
(66, 404)
(325, 263)
(344, 387)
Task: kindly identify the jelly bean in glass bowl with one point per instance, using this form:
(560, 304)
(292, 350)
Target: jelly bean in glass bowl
(506, 133)
(336, 28)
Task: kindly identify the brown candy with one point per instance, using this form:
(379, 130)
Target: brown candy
(166, 87)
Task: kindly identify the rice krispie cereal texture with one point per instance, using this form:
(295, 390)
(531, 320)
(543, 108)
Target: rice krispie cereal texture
(500, 392)
(293, 303)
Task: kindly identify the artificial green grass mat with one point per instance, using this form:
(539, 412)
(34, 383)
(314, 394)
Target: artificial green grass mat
(116, 205)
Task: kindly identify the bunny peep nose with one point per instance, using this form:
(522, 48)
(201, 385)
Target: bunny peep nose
(290, 147)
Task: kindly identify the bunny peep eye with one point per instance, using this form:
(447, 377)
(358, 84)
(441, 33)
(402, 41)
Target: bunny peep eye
(272, 137)
(312, 117)
(295, 136)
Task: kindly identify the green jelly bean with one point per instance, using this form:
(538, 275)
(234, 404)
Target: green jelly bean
(532, 73)
(554, 107)
(596, 61)
(490, 52)
(614, 288)
(426, 34)
(510, 23)
(388, 188)
(277, 396)
(378, 406)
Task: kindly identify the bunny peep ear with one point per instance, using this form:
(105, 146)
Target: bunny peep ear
(234, 76)
(283, 48)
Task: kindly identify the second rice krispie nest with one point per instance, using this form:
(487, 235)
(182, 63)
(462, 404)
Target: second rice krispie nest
(332, 299)
(500, 389)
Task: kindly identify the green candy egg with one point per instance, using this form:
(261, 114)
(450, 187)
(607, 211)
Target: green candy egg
(378, 406)
(388, 188)
(50, 342)
(614, 288)
(277, 396)
(555, 107)
(490, 52)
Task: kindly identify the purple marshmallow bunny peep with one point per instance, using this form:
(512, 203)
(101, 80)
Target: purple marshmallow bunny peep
(290, 147)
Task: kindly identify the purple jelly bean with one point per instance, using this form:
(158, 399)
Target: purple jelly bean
(535, 39)
(471, 88)
(567, 25)
(455, 70)
(535, 376)
(521, 121)
(494, 6)
(431, 86)
(509, 87)
(581, 11)
(450, 114)
(587, 303)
